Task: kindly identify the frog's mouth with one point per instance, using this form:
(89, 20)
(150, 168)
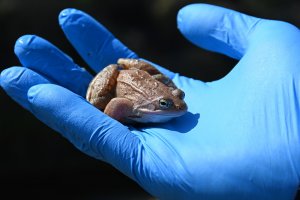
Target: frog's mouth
(163, 112)
(156, 116)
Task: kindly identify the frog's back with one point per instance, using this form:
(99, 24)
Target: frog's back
(137, 85)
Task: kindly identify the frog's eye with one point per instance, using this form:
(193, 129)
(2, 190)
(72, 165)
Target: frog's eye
(165, 103)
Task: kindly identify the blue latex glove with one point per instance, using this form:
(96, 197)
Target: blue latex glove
(240, 139)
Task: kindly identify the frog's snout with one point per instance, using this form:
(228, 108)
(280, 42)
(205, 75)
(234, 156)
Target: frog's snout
(182, 106)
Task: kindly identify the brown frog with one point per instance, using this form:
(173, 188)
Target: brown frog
(135, 91)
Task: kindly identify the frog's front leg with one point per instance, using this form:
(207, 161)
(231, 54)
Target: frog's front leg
(119, 109)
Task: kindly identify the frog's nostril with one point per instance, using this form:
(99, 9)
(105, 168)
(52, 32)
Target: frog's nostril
(181, 107)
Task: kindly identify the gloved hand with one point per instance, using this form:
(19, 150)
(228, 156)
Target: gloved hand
(240, 139)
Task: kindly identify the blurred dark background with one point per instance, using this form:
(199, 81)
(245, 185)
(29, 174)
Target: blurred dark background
(36, 162)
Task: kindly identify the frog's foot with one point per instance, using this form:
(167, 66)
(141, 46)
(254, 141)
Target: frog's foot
(102, 88)
(119, 109)
(129, 63)
(165, 80)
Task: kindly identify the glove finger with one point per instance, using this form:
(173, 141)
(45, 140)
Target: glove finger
(216, 29)
(90, 130)
(17, 80)
(43, 57)
(96, 45)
